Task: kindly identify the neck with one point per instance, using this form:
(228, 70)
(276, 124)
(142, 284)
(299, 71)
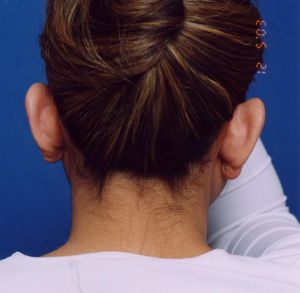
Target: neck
(124, 222)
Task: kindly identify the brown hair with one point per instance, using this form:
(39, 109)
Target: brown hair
(145, 86)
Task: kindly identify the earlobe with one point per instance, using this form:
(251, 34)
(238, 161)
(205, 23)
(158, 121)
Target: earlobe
(229, 172)
(241, 135)
(44, 122)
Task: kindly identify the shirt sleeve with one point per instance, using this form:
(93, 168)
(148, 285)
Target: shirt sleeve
(251, 218)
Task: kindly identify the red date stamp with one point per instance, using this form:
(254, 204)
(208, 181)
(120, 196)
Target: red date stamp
(261, 32)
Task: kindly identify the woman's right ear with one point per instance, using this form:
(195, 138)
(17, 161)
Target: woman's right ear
(241, 135)
(44, 122)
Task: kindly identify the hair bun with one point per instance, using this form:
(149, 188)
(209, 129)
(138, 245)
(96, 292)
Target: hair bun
(148, 10)
(140, 14)
(143, 26)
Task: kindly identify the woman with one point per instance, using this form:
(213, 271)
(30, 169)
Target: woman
(172, 188)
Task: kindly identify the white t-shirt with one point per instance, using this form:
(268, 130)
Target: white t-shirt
(255, 241)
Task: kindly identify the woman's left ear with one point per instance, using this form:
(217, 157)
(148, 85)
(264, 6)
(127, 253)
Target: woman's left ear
(44, 122)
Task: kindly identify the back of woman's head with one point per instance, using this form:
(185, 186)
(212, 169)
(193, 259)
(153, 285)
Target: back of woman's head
(146, 86)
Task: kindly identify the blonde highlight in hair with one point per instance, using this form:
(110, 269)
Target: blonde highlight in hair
(145, 86)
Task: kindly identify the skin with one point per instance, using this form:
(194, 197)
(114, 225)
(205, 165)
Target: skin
(125, 222)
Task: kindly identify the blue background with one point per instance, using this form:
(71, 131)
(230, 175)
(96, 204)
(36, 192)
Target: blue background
(35, 200)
